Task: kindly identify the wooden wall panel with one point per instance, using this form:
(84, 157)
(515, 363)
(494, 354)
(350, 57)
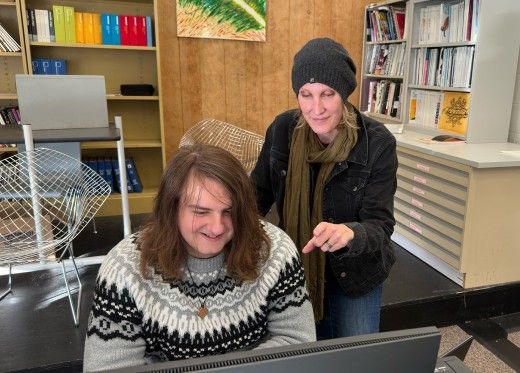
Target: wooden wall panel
(246, 83)
(212, 80)
(254, 91)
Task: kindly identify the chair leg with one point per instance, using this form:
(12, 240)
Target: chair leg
(75, 312)
(94, 227)
(9, 283)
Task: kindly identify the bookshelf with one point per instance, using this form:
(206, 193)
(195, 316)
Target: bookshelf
(456, 204)
(461, 72)
(120, 64)
(11, 63)
(384, 63)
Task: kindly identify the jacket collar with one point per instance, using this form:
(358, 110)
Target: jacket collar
(359, 153)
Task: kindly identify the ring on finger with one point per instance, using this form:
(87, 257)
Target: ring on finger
(329, 245)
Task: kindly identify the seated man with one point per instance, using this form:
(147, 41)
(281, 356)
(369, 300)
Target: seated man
(205, 275)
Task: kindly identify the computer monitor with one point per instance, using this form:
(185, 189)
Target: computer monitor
(411, 350)
(62, 101)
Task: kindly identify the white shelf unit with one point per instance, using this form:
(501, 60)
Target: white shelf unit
(493, 70)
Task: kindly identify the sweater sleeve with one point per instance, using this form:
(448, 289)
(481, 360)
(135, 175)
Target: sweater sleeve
(290, 319)
(114, 338)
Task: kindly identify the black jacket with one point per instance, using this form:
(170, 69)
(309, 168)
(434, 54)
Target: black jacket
(358, 193)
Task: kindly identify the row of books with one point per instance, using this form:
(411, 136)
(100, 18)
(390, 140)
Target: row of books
(10, 115)
(7, 43)
(63, 24)
(439, 110)
(108, 169)
(449, 22)
(444, 67)
(385, 59)
(386, 23)
(49, 66)
(384, 97)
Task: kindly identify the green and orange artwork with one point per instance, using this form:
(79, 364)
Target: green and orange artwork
(222, 19)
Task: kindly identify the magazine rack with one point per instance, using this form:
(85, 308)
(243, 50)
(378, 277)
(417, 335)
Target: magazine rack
(46, 199)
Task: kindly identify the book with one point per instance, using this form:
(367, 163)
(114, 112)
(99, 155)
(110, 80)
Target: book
(149, 31)
(117, 177)
(454, 112)
(96, 18)
(88, 28)
(46, 66)
(59, 23)
(133, 36)
(52, 34)
(79, 25)
(106, 29)
(59, 66)
(30, 32)
(36, 66)
(109, 174)
(124, 29)
(141, 30)
(133, 176)
(70, 24)
(101, 168)
(115, 33)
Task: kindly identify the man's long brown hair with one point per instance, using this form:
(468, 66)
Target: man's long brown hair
(161, 243)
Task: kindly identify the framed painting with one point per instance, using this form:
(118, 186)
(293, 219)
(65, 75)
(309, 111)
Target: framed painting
(222, 19)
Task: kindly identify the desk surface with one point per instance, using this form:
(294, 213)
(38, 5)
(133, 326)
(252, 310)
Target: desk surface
(492, 155)
(14, 135)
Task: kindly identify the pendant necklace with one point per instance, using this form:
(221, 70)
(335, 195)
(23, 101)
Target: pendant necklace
(203, 311)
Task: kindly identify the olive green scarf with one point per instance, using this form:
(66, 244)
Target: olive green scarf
(299, 221)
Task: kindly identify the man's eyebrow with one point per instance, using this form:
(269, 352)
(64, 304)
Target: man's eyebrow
(198, 207)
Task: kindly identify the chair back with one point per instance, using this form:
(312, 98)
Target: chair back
(243, 144)
(46, 199)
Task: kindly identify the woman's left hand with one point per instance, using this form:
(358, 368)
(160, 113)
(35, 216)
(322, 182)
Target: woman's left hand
(329, 237)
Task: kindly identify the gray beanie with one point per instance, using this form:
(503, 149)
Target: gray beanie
(324, 61)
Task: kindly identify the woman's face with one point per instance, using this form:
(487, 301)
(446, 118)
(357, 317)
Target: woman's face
(205, 217)
(322, 108)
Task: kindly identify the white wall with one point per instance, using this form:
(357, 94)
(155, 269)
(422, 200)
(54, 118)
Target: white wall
(514, 129)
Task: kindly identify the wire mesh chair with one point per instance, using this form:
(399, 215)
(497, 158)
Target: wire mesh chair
(243, 144)
(46, 199)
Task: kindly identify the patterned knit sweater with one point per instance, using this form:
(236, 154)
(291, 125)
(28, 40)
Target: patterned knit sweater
(135, 321)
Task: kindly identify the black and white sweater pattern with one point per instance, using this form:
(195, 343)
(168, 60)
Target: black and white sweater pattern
(135, 321)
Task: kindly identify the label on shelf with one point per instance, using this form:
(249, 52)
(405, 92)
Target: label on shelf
(416, 228)
(418, 191)
(416, 203)
(420, 179)
(414, 214)
(423, 167)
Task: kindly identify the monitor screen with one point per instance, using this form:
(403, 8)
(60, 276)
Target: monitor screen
(62, 101)
(411, 350)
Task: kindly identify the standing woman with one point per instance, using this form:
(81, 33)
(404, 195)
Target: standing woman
(205, 276)
(332, 173)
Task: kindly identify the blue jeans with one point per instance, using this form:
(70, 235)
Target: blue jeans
(345, 316)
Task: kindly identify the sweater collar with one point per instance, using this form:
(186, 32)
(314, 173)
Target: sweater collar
(198, 265)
